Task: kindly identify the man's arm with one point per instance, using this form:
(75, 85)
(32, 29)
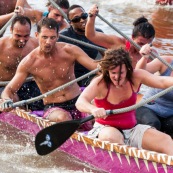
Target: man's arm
(99, 38)
(81, 57)
(33, 14)
(22, 3)
(5, 18)
(155, 65)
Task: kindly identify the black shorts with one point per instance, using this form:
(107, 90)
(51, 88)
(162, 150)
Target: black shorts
(69, 106)
(30, 90)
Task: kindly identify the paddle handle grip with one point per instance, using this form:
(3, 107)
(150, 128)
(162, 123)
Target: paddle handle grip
(88, 118)
(91, 117)
(108, 112)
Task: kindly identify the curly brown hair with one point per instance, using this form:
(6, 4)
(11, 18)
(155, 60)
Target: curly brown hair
(114, 58)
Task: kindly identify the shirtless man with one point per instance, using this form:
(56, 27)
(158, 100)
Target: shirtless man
(51, 65)
(15, 47)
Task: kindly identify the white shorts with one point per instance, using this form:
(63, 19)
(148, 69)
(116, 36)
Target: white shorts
(132, 137)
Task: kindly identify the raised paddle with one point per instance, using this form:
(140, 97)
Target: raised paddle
(52, 137)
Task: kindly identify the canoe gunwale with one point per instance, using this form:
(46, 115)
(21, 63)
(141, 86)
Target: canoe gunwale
(105, 145)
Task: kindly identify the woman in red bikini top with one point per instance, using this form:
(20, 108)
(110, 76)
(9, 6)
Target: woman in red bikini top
(116, 88)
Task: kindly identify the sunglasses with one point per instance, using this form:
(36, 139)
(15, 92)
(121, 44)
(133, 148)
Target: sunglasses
(78, 18)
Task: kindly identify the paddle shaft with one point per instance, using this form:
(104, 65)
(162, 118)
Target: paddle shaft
(83, 43)
(4, 83)
(91, 117)
(7, 24)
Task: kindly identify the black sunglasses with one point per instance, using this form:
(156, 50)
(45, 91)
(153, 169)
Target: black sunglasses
(78, 18)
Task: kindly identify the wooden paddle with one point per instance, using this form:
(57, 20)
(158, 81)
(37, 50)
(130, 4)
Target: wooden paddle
(52, 137)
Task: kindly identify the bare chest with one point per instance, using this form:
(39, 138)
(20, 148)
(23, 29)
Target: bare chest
(10, 58)
(10, 61)
(47, 72)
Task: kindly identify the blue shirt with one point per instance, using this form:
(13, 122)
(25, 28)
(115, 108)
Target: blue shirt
(162, 106)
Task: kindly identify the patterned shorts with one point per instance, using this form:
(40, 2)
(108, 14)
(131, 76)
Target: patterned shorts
(70, 108)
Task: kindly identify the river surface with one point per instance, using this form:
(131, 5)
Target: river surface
(17, 152)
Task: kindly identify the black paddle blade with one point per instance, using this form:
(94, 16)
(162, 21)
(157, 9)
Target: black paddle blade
(52, 137)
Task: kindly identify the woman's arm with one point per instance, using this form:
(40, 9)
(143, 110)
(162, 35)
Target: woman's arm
(153, 66)
(144, 77)
(84, 102)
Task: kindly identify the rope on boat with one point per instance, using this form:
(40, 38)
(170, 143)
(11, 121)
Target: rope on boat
(24, 102)
(4, 83)
(83, 43)
(141, 103)
(153, 55)
(7, 24)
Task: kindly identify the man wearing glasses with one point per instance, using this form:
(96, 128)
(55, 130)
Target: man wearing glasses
(78, 18)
